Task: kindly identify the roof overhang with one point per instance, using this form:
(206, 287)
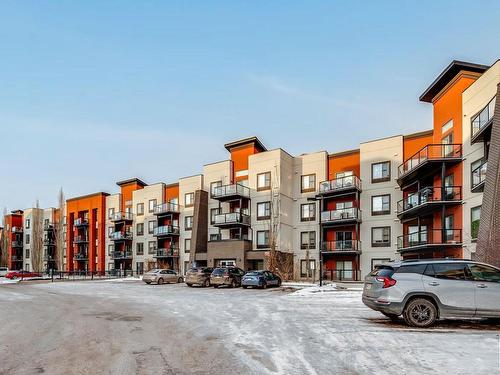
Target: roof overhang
(242, 142)
(134, 180)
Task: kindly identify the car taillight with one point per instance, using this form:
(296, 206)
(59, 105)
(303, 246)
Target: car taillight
(388, 282)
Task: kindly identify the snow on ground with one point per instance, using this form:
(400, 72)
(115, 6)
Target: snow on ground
(314, 330)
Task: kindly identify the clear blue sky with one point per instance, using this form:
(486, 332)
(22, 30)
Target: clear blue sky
(92, 92)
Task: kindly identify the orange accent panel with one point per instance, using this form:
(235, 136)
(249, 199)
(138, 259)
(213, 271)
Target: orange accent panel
(342, 163)
(414, 144)
(239, 157)
(126, 191)
(171, 192)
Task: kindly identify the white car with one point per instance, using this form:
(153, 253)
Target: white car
(3, 271)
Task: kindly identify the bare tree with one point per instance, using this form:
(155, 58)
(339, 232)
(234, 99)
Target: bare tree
(4, 242)
(59, 226)
(37, 238)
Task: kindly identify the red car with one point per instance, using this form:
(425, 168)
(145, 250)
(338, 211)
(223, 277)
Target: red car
(21, 274)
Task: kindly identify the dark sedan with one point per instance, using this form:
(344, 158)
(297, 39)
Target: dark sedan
(260, 279)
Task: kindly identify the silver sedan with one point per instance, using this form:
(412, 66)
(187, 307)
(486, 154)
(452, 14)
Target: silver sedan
(161, 276)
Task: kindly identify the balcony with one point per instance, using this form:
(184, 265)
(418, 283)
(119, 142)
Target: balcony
(166, 230)
(481, 124)
(17, 244)
(81, 256)
(230, 192)
(122, 216)
(342, 185)
(117, 255)
(171, 252)
(427, 200)
(166, 208)
(49, 242)
(121, 236)
(48, 257)
(214, 235)
(17, 229)
(80, 222)
(16, 258)
(231, 219)
(49, 227)
(479, 177)
(343, 216)
(430, 239)
(341, 247)
(428, 160)
(80, 239)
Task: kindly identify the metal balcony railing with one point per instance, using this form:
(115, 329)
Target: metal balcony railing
(81, 239)
(122, 216)
(340, 184)
(231, 218)
(216, 235)
(344, 245)
(346, 214)
(80, 222)
(81, 256)
(127, 254)
(167, 252)
(428, 195)
(118, 236)
(479, 174)
(49, 226)
(49, 241)
(16, 258)
(483, 118)
(17, 243)
(165, 208)
(166, 230)
(230, 190)
(430, 152)
(430, 237)
(17, 229)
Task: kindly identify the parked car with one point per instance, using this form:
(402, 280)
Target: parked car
(3, 271)
(261, 279)
(199, 276)
(230, 276)
(161, 276)
(423, 291)
(22, 274)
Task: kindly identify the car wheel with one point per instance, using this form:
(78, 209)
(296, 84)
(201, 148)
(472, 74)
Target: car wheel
(233, 284)
(244, 286)
(190, 285)
(420, 312)
(179, 280)
(148, 282)
(391, 316)
(160, 281)
(206, 283)
(264, 286)
(216, 286)
(279, 283)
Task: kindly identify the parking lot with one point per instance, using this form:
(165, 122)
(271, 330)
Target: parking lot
(128, 327)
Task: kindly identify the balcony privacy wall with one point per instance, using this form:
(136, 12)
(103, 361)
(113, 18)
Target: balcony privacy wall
(488, 244)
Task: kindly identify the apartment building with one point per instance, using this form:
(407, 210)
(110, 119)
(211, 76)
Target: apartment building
(14, 229)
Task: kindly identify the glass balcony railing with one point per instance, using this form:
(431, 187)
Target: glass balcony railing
(484, 117)
(122, 254)
(81, 256)
(344, 245)
(345, 214)
(122, 216)
(479, 175)
(166, 208)
(340, 184)
(429, 195)
(17, 243)
(118, 236)
(232, 218)
(17, 229)
(80, 222)
(430, 237)
(81, 239)
(219, 192)
(430, 152)
(166, 230)
(167, 252)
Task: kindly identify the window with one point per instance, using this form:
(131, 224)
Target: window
(381, 172)
(483, 117)
(448, 225)
(307, 267)
(151, 205)
(449, 271)
(188, 223)
(140, 209)
(262, 239)
(381, 236)
(263, 210)
(111, 248)
(481, 272)
(27, 240)
(376, 261)
(111, 213)
(475, 216)
(344, 174)
(448, 140)
(264, 181)
(307, 240)
(110, 230)
(413, 268)
(140, 229)
(447, 126)
(214, 185)
(189, 199)
(308, 212)
(151, 247)
(27, 253)
(27, 223)
(308, 183)
(187, 245)
(139, 248)
(381, 204)
(213, 212)
(151, 226)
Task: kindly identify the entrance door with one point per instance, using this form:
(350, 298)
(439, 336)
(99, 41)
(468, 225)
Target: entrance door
(344, 270)
(343, 240)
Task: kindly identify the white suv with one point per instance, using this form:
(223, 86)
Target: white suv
(425, 290)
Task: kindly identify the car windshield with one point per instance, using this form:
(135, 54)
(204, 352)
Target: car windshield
(154, 271)
(219, 272)
(254, 273)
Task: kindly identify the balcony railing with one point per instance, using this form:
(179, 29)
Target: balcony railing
(16, 258)
(17, 229)
(215, 235)
(484, 118)
(344, 245)
(127, 254)
(167, 252)
(166, 230)
(81, 256)
(231, 218)
(340, 184)
(166, 208)
(230, 190)
(49, 241)
(120, 236)
(49, 226)
(17, 243)
(48, 257)
(80, 222)
(81, 239)
(430, 237)
(122, 216)
(430, 152)
(479, 175)
(430, 195)
(346, 214)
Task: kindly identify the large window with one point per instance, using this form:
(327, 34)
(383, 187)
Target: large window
(308, 212)
(263, 210)
(189, 199)
(151, 226)
(381, 204)
(214, 185)
(308, 183)
(381, 172)
(187, 245)
(475, 216)
(140, 209)
(140, 229)
(139, 249)
(152, 204)
(307, 267)
(264, 181)
(262, 239)
(152, 247)
(188, 223)
(307, 240)
(381, 236)
(213, 212)
(446, 127)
